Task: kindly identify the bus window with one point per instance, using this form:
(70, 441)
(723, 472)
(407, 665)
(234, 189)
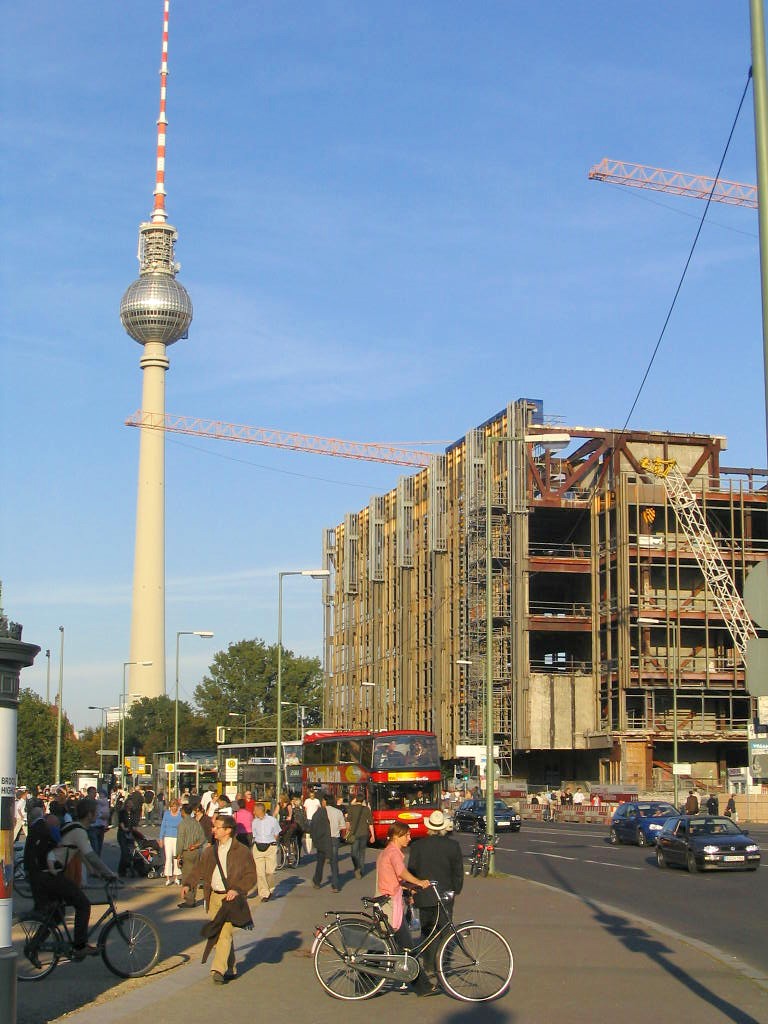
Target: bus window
(349, 751)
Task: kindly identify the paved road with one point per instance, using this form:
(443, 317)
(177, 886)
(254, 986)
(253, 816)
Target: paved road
(724, 909)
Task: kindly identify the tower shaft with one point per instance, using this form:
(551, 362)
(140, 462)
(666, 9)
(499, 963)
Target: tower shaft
(148, 608)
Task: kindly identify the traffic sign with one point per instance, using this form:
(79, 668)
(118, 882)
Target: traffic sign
(230, 769)
(170, 768)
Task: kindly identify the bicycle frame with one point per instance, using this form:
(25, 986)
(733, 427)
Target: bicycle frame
(55, 916)
(376, 923)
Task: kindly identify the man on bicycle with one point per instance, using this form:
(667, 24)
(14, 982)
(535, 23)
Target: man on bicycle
(62, 878)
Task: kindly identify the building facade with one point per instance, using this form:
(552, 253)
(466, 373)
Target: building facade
(600, 618)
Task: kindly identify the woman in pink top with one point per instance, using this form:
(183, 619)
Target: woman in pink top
(244, 820)
(391, 872)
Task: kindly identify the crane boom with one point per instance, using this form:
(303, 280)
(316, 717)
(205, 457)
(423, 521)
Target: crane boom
(707, 554)
(363, 450)
(678, 183)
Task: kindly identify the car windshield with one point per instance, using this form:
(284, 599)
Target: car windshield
(714, 827)
(655, 810)
(499, 805)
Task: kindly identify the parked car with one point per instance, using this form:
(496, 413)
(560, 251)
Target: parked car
(470, 817)
(640, 821)
(703, 843)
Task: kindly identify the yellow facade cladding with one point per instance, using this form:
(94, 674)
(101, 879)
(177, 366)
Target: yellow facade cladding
(580, 543)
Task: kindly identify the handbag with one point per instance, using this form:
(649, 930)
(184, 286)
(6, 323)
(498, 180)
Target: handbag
(262, 847)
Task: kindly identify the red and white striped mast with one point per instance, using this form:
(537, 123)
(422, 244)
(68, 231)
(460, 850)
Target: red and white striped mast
(156, 311)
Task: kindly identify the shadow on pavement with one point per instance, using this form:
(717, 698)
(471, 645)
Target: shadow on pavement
(485, 1013)
(271, 950)
(638, 940)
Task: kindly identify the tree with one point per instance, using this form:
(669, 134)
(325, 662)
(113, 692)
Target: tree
(243, 680)
(150, 723)
(36, 742)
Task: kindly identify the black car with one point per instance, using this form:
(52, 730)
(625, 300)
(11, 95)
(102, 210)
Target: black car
(470, 817)
(703, 843)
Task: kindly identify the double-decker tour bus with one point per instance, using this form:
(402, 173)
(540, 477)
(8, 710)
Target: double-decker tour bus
(397, 772)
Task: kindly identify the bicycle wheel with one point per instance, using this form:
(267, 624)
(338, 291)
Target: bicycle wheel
(292, 853)
(474, 867)
(279, 857)
(130, 945)
(475, 964)
(34, 959)
(339, 976)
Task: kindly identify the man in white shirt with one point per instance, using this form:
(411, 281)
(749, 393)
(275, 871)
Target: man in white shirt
(578, 797)
(265, 829)
(20, 812)
(311, 804)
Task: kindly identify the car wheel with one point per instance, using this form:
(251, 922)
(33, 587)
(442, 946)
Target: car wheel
(613, 835)
(642, 839)
(690, 862)
(660, 861)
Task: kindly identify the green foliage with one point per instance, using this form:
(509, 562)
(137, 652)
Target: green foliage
(243, 679)
(36, 742)
(149, 727)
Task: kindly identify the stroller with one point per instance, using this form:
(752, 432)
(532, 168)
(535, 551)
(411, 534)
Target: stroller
(146, 857)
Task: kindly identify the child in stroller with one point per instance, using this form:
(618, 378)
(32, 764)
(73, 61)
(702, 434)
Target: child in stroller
(147, 860)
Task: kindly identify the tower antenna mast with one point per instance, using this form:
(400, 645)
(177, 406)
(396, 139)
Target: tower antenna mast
(156, 311)
(158, 213)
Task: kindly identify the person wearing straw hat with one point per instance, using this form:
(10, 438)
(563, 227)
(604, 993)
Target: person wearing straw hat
(438, 858)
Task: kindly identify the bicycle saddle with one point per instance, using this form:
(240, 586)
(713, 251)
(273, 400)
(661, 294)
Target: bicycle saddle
(376, 901)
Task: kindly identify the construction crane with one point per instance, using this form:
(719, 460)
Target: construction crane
(707, 554)
(399, 455)
(677, 183)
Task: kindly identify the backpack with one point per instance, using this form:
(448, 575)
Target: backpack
(300, 817)
(72, 868)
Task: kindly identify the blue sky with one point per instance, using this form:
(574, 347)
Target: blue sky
(387, 231)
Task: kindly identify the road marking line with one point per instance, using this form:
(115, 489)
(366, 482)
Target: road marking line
(607, 864)
(549, 842)
(554, 856)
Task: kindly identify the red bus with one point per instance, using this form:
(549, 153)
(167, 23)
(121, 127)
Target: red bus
(397, 772)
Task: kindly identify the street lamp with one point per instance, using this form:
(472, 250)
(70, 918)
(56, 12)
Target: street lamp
(315, 574)
(552, 442)
(643, 620)
(98, 707)
(57, 773)
(183, 632)
(244, 716)
(300, 709)
(121, 744)
(372, 686)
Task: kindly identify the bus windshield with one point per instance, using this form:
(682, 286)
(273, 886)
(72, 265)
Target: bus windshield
(393, 797)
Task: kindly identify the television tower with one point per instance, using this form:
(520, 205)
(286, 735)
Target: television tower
(156, 311)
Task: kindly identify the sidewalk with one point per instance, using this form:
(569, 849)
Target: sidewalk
(574, 962)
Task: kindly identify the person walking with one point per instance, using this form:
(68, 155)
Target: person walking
(440, 859)
(691, 803)
(169, 828)
(320, 832)
(228, 874)
(190, 840)
(205, 823)
(730, 808)
(360, 832)
(311, 806)
(713, 804)
(266, 830)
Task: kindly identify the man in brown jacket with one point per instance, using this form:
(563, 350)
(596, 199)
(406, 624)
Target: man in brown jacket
(227, 871)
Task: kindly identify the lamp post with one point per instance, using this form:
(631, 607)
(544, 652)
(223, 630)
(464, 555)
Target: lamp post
(244, 716)
(647, 621)
(300, 709)
(98, 707)
(371, 686)
(183, 632)
(315, 574)
(48, 677)
(121, 744)
(552, 442)
(57, 773)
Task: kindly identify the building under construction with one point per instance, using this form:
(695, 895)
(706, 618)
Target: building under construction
(605, 633)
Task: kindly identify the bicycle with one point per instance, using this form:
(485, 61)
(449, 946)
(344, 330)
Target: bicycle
(129, 943)
(288, 853)
(480, 860)
(356, 955)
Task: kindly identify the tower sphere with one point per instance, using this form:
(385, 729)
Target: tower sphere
(156, 308)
